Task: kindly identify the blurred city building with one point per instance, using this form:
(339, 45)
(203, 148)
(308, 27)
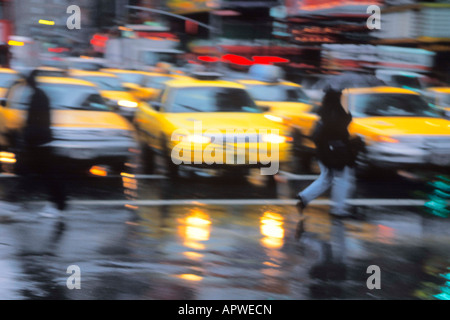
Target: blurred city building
(312, 36)
(413, 35)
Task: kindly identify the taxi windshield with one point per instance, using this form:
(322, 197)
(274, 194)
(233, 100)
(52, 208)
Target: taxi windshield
(213, 99)
(105, 83)
(277, 93)
(80, 97)
(131, 77)
(390, 105)
(7, 79)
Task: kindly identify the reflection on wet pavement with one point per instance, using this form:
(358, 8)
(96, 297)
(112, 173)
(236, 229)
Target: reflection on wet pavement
(199, 251)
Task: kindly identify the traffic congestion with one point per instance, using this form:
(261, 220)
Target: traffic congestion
(199, 174)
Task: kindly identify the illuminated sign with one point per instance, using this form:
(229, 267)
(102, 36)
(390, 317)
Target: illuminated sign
(183, 6)
(331, 7)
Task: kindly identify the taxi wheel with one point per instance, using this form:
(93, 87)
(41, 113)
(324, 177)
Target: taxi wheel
(147, 159)
(170, 167)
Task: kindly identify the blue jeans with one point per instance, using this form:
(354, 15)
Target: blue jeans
(342, 183)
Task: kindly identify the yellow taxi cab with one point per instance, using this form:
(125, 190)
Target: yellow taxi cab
(440, 97)
(85, 130)
(207, 122)
(282, 98)
(398, 127)
(111, 89)
(7, 78)
(132, 80)
(279, 97)
(143, 85)
(153, 83)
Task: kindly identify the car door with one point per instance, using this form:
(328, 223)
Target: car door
(150, 120)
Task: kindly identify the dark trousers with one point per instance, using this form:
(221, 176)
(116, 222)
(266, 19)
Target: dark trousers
(39, 170)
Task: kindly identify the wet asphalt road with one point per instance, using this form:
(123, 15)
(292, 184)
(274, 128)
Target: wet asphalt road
(148, 237)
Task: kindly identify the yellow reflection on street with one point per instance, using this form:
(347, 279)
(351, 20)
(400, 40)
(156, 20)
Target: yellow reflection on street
(272, 230)
(195, 229)
(190, 277)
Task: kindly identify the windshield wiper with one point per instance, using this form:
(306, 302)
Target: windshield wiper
(190, 108)
(106, 84)
(71, 107)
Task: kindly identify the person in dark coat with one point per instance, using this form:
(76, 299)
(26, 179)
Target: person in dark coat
(38, 165)
(37, 131)
(335, 156)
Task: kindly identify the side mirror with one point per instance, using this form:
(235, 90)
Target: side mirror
(156, 105)
(3, 102)
(264, 108)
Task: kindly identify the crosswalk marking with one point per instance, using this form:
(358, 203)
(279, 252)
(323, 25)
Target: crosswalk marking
(257, 202)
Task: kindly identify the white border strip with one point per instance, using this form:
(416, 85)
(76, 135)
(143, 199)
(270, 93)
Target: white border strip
(242, 202)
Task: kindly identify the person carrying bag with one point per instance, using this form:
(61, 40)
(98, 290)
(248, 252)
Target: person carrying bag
(336, 156)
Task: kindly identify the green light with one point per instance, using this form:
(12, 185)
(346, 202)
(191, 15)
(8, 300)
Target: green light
(442, 194)
(445, 275)
(442, 296)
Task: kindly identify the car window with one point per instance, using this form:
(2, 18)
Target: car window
(151, 58)
(156, 82)
(80, 97)
(19, 96)
(131, 77)
(406, 81)
(277, 93)
(105, 83)
(390, 105)
(160, 95)
(212, 99)
(444, 99)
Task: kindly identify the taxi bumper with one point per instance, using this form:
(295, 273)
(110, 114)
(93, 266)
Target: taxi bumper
(403, 155)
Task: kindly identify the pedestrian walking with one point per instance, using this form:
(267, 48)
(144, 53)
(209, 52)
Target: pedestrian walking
(37, 164)
(335, 154)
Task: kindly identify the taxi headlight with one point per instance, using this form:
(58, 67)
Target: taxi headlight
(275, 138)
(127, 103)
(7, 157)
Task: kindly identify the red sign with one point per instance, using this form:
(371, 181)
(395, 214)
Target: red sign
(5, 30)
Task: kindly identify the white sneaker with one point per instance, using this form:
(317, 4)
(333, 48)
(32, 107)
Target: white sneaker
(50, 211)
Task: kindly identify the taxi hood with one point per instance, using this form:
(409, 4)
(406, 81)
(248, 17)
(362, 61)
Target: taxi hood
(393, 126)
